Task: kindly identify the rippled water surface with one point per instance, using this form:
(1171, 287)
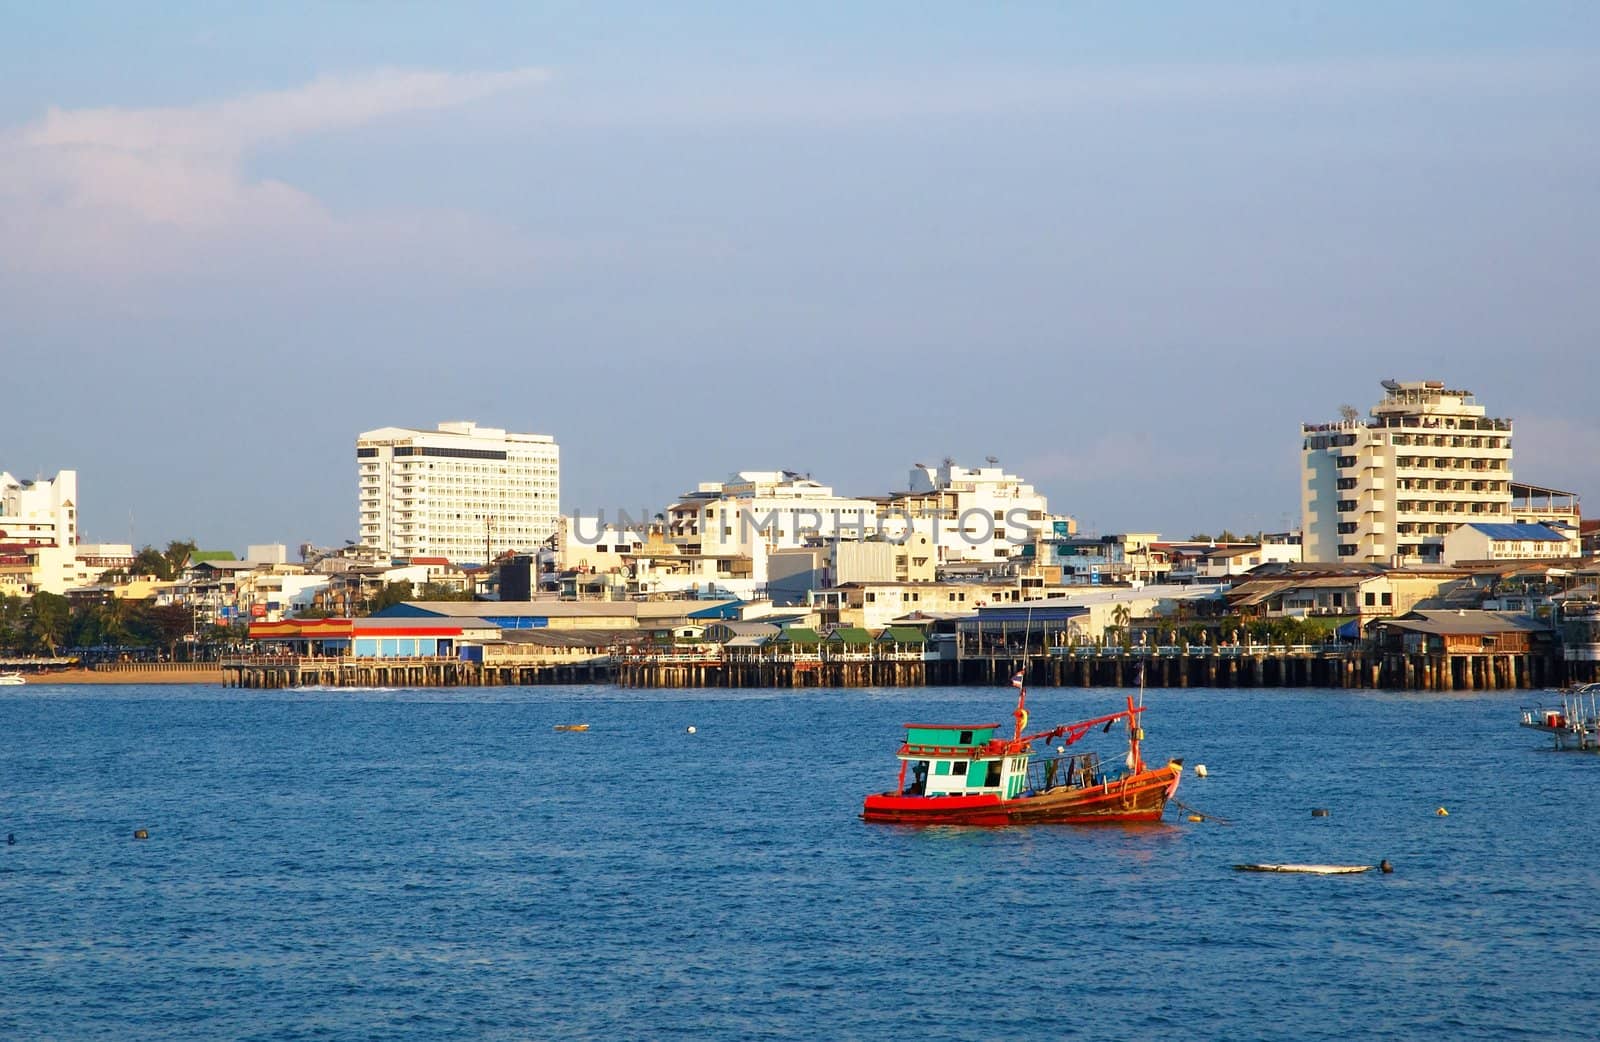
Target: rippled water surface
(355, 865)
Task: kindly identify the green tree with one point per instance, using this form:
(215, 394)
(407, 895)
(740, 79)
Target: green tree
(1121, 616)
(49, 622)
(150, 561)
(13, 624)
(442, 592)
(169, 624)
(391, 594)
(178, 553)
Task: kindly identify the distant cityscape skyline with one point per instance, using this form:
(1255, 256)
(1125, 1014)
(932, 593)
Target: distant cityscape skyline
(1125, 252)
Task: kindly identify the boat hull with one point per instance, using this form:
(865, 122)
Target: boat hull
(1137, 798)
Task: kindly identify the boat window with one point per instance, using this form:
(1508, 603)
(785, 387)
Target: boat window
(959, 767)
(966, 738)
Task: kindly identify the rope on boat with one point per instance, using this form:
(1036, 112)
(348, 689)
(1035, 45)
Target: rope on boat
(1194, 813)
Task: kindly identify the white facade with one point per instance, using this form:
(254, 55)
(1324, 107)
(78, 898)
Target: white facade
(1514, 542)
(463, 492)
(590, 542)
(1388, 489)
(39, 513)
(759, 511)
(968, 513)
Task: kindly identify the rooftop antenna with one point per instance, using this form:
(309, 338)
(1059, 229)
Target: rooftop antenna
(993, 461)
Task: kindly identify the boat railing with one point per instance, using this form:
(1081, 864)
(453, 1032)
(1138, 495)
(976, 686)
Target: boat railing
(1071, 769)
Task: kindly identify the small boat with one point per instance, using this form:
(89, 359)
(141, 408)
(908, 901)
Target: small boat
(572, 727)
(961, 774)
(1314, 870)
(11, 679)
(1574, 723)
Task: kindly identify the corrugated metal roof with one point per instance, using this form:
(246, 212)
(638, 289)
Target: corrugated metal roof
(1519, 533)
(1464, 622)
(561, 638)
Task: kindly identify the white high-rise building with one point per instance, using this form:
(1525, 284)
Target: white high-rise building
(1389, 488)
(462, 492)
(39, 513)
(970, 513)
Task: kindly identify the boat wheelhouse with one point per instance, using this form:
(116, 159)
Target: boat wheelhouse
(1574, 724)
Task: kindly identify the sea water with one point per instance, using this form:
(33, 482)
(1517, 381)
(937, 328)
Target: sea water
(446, 865)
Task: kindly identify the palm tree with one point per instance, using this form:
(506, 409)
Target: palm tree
(1121, 615)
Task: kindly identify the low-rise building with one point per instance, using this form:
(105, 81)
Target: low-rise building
(1478, 541)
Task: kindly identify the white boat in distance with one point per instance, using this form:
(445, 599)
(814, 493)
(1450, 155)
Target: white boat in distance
(11, 679)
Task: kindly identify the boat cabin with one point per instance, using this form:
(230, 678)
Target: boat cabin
(958, 760)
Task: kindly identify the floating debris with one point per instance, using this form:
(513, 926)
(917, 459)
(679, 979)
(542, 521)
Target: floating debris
(1319, 812)
(572, 727)
(689, 729)
(1441, 812)
(1199, 770)
(140, 834)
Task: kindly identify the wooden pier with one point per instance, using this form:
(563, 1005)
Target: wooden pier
(1333, 665)
(269, 672)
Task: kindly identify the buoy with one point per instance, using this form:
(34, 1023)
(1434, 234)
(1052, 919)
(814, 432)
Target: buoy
(1199, 770)
(1061, 749)
(1197, 817)
(1384, 866)
(1319, 812)
(691, 729)
(1441, 812)
(140, 834)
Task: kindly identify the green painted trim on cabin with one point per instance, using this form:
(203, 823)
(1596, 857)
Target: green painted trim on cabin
(948, 735)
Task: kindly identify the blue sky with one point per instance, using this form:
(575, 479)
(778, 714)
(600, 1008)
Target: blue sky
(1126, 249)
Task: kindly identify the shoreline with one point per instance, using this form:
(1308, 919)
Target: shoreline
(201, 675)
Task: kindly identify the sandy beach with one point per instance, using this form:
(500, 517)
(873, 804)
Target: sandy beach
(199, 675)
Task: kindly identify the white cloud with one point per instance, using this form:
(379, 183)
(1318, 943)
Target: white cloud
(120, 189)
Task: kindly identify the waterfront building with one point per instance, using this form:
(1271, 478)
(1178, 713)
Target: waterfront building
(462, 492)
(792, 574)
(970, 513)
(590, 543)
(755, 512)
(1363, 590)
(1388, 489)
(1073, 560)
(1510, 542)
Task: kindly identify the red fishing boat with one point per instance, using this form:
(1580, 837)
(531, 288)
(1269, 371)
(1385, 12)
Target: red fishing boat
(961, 774)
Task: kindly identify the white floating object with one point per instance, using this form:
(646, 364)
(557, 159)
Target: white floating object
(691, 729)
(1061, 748)
(1199, 770)
(1315, 870)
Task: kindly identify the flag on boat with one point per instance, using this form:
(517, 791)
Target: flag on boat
(1016, 681)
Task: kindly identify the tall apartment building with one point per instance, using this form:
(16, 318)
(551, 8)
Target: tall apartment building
(462, 492)
(39, 513)
(1388, 489)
